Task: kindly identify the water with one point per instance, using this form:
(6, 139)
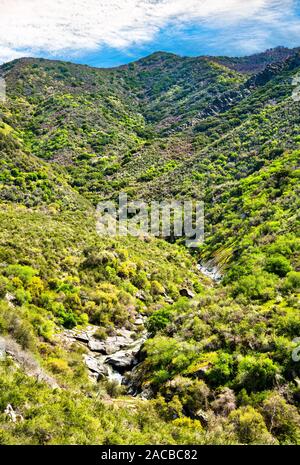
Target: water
(210, 271)
(114, 375)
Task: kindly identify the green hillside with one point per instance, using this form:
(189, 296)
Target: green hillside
(210, 360)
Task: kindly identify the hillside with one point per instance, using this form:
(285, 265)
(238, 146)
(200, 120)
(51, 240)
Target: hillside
(202, 360)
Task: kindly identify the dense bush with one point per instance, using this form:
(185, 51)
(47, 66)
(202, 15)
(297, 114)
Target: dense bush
(217, 368)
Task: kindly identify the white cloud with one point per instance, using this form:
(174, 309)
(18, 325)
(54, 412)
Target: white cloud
(58, 27)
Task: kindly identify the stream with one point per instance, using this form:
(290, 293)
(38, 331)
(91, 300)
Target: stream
(118, 355)
(113, 358)
(210, 270)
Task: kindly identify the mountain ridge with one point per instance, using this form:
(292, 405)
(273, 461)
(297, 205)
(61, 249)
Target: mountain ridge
(217, 366)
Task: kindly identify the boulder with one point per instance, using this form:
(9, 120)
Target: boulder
(202, 416)
(97, 346)
(82, 337)
(121, 360)
(187, 293)
(115, 343)
(96, 366)
(147, 393)
(12, 415)
(141, 296)
(111, 348)
(10, 299)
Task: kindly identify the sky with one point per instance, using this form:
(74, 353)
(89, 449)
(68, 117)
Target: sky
(108, 33)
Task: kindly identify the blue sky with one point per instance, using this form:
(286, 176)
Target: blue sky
(112, 32)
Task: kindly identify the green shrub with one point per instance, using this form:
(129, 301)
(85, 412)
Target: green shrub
(256, 373)
(158, 320)
(282, 419)
(250, 427)
(292, 282)
(279, 265)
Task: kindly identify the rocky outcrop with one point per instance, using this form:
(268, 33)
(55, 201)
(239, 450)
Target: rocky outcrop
(114, 356)
(187, 293)
(121, 361)
(97, 346)
(95, 366)
(224, 102)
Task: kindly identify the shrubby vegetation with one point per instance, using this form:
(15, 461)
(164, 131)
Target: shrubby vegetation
(217, 368)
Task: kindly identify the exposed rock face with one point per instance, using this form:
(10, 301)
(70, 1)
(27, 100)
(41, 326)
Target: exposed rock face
(96, 366)
(224, 102)
(266, 75)
(126, 359)
(121, 360)
(140, 295)
(97, 346)
(82, 337)
(113, 357)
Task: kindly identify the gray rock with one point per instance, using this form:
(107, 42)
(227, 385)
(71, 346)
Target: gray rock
(187, 293)
(111, 348)
(82, 337)
(91, 363)
(12, 415)
(94, 376)
(125, 359)
(115, 343)
(96, 366)
(97, 346)
(202, 416)
(210, 271)
(9, 297)
(140, 295)
(147, 393)
(2, 348)
(121, 360)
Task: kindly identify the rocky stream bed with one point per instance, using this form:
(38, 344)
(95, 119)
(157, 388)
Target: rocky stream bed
(113, 358)
(117, 356)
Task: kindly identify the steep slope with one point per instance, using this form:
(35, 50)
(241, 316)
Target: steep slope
(225, 147)
(218, 365)
(93, 121)
(174, 90)
(255, 63)
(27, 180)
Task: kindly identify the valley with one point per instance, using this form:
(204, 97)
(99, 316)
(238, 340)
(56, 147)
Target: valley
(141, 340)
